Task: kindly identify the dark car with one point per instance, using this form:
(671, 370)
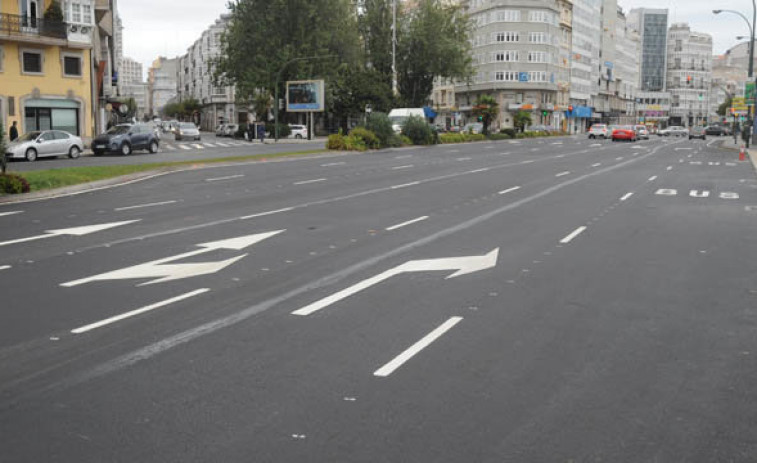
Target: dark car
(697, 132)
(125, 139)
(714, 130)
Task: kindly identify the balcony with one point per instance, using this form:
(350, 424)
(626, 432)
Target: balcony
(32, 30)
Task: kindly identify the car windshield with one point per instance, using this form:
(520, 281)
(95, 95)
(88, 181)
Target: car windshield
(398, 120)
(187, 126)
(119, 130)
(29, 136)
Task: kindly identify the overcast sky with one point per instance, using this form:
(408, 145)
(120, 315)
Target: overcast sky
(155, 28)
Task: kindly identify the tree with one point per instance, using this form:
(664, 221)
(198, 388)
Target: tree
(433, 42)
(723, 108)
(54, 13)
(488, 109)
(3, 159)
(353, 88)
(522, 119)
(190, 106)
(375, 24)
(261, 104)
(175, 110)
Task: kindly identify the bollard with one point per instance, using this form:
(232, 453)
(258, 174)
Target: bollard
(742, 154)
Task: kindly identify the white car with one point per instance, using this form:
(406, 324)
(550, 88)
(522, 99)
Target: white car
(599, 131)
(48, 143)
(642, 132)
(674, 130)
(298, 131)
(187, 130)
(474, 128)
(230, 130)
(220, 130)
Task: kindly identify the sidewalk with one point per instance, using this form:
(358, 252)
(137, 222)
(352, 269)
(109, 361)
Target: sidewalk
(727, 143)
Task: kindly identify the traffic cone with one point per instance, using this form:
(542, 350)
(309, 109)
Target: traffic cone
(742, 154)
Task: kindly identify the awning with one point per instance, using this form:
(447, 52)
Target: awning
(430, 113)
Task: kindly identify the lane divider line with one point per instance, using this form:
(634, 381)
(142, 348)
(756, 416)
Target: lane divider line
(652, 178)
(218, 179)
(3, 214)
(140, 206)
(574, 234)
(509, 190)
(405, 224)
(262, 214)
(133, 313)
(596, 164)
(416, 348)
(403, 167)
(305, 182)
(626, 196)
(562, 174)
(405, 185)
(4, 267)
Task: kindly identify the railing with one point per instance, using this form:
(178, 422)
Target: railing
(12, 24)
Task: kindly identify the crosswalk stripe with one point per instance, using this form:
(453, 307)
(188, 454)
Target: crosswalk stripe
(222, 144)
(169, 147)
(198, 146)
(185, 147)
(209, 145)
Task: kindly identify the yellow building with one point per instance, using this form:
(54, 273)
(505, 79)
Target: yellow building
(46, 73)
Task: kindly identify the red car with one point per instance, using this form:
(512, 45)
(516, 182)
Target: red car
(624, 132)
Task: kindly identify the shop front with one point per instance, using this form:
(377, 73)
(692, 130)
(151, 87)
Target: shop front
(52, 114)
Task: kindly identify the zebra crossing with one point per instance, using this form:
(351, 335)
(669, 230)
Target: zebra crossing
(200, 146)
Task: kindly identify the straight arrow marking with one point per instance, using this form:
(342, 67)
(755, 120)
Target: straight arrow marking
(462, 265)
(77, 231)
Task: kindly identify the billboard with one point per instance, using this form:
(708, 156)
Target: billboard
(305, 96)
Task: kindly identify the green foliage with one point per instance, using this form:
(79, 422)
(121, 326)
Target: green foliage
(380, 124)
(395, 141)
(190, 106)
(335, 142)
(417, 129)
(3, 146)
(353, 88)
(522, 119)
(461, 137)
(375, 26)
(54, 12)
(406, 141)
(13, 184)
(499, 136)
(261, 103)
(509, 131)
(369, 138)
(488, 109)
(354, 143)
(433, 41)
(723, 108)
(284, 130)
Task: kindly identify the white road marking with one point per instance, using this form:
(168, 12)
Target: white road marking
(224, 145)
(683, 149)
(198, 146)
(4, 267)
(729, 195)
(332, 164)
(405, 185)
(560, 156)
(695, 163)
(140, 206)
(403, 167)
(133, 313)
(3, 214)
(413, 350)
(185, 147)
(596, 164)
(730, 164)
(534, 149)
(504, 154)
(666, 192)
(595, 145)
(405, 224)
(405, 156)
(305, 182)
(262, 214)
(561, 174)
(669, 168)
(528, 162)
(463, 159)
(478, 170)
(557, 143)
(570, 237)
(697, 194)
(209, 145)
(626, 196)
(652, 178)
(77, 231)
(509, 190)
(218, 179)
(454, 151)
(170, 147)
(713, 163)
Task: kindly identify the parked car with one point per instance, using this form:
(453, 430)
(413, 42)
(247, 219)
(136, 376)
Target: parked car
(714, 130)
(220, 130)
(624, 132)
(674, 130)
(698, 132)
(231, 130)
(598, 131)
(47, 143)
(298, 131)
(187, 130)
(641, 132)
(125, 139)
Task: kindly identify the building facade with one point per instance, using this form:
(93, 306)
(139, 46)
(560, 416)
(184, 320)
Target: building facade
(584, 65)
(195, 80)
(653, 100)
(161, 84)
(46, 71)
(689, 75)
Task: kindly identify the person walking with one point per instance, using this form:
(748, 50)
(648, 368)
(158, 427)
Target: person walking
(13, 135)
(261, 132)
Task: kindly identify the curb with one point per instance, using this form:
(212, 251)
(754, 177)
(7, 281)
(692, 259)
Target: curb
(752, 152)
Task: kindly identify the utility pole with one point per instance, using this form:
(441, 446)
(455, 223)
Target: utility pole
(395, 90)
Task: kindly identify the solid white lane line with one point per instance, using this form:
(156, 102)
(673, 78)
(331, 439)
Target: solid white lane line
(626, 196)
(185, 147)
(133, 313)
(4, 267)
(478, 170)
(217, 179)
(561, 174)
(140, 206)
(305, 182)
(596, 164)
(570, 237)
(528, 162)
(405, 224)
(463, 159)
(3, 214)
(413, 350)
(405, 185)
(403, 167)
(509, 190)
(652, 178)
(331, 164)
(262, 214)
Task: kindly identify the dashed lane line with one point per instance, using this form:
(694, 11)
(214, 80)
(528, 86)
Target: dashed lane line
(626, 196)
(307, 182)
(3, 214)
(509, 190)
(141, 206)
(405, 224)
(229, 177)
(562, 174)
(409, 166)
(652, 178)
(574, 234)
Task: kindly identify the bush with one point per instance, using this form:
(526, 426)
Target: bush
(395, 141)
(379, 124)
(499, 136)
(350, 142)
(509, 131)
(417, 129)
(354, 143)
(405, 141)
(452, 138)
(13, 184)
(369, 138)
(335, 142)
(284, 130)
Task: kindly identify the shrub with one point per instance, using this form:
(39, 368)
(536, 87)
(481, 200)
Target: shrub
(335, 142)
(379, 124)
(452, 138)
(475, 137)
(13, 184)
(284, 130)
(509, 131)
(369, 138)
(354, 143)
(499, 136)
(417, 129)
(395, 141)
(405, 140)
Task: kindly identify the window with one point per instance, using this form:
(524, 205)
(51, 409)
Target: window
(537, 57)
(78, 12)
(540, 17)
(72, 66)
(506, 76)
(537, 76)
(538, 37)
(31, 62)
(507, 37)
(507, 56)
(508, 16)
(75, 13)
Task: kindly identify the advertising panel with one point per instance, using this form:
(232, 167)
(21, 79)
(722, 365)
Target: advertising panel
(305, 96)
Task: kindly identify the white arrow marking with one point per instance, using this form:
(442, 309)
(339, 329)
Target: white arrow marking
(163, 271)
(78, 231)
(463, 265)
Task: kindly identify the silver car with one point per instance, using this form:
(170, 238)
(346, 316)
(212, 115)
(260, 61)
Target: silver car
(187, 130)
(46, 143)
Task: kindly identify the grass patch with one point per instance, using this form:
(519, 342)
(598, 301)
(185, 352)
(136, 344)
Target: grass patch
(67, 176)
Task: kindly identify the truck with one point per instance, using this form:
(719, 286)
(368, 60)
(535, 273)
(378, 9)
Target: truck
(399, 116)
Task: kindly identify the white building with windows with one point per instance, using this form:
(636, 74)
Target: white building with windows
(689, 75)
(195, 79)
(584, 70)
(161, 84)
(131, 84)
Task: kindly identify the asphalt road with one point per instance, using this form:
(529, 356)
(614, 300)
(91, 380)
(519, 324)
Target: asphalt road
(546, 300)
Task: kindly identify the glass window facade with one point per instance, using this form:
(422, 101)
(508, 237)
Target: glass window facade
(654, 48)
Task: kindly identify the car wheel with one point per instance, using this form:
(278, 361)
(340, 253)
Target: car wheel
(591, 137)
(31, 155)
(97, 153)
(153, 147)
(74, 152)
(126, 149)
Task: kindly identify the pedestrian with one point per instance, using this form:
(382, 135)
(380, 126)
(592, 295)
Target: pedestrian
(251, 132)
(261, 132)
(13, 135)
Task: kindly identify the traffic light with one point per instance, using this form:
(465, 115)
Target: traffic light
(688, 80)
(544, 113)
(480, 118)
(570, 108)
(701, 97)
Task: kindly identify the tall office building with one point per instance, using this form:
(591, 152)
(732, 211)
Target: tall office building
(654, 100)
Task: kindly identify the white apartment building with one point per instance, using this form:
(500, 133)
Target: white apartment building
(131, 84)
(689, 75)
(653, 100)
(161, 84)
(195, 79)
(584, 65)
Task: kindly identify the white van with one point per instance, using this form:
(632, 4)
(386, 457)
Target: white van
(400, 115)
